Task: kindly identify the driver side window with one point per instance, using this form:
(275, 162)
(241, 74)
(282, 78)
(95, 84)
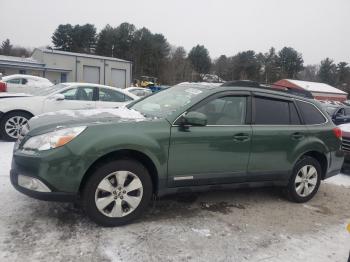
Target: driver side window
(228, 110)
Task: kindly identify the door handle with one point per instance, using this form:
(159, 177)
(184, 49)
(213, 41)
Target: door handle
(297, 136)
(241, 137)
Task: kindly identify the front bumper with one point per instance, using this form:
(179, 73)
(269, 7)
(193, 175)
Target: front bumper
(46, 196)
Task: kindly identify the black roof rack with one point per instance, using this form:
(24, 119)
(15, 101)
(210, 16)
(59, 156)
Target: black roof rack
(273, 87)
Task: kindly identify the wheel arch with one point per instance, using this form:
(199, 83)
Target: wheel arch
(320, 157)
(123, 154)
(17, 110)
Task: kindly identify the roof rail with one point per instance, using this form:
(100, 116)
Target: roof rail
(273, 87)
(243, 83)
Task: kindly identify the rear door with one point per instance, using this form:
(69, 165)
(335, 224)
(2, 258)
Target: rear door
(277, 135)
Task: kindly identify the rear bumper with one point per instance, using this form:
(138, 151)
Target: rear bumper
(335, 160)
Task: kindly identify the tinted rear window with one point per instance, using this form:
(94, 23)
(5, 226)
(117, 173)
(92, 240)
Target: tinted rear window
(310, 113)
(271, 112)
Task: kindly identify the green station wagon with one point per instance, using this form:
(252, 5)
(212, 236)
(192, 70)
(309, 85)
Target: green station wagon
(190, 137)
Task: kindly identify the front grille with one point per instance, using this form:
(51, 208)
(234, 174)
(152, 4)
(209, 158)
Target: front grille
(346, 144)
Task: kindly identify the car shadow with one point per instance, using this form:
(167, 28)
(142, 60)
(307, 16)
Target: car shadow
(177, 206)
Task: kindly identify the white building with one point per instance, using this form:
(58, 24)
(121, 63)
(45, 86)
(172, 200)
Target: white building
(61, 66)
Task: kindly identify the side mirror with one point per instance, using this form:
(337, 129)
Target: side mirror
(58, 97)
(195, 119)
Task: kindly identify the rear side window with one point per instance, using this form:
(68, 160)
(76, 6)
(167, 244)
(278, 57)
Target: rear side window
(310, 113)
(271, 112)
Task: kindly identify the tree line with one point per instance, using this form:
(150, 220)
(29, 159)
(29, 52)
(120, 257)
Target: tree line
(153, 55)
(6, 48)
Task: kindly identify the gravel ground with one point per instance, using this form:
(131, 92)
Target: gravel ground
(238, 225)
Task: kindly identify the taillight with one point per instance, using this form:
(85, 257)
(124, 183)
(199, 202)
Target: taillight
(3, 87)
(337, 132)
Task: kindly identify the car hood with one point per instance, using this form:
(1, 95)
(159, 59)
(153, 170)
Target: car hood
(57, 120)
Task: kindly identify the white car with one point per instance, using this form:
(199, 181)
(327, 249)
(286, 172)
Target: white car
(139, 91)
(15, 111)
(25, 83)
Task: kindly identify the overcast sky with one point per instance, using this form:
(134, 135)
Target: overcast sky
(316, 28)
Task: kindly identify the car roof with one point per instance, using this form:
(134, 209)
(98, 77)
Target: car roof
(90, 84)
(246, 85)
(24, 76)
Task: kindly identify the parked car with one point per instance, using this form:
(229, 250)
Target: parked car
(139, 91)
(186, 138)
(25, 83)
(16, 110)
(3, 86)
(339, 114)
(345, 128)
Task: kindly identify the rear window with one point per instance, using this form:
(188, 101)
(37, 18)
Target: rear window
(310, 113)
(275, 112)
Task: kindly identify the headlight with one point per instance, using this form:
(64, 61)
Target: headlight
(53, 139)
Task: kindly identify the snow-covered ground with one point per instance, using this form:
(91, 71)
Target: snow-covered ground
(237, 225)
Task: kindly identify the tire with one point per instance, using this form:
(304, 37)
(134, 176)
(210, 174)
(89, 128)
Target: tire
(117, 206)
(15, 119)
(297, 191)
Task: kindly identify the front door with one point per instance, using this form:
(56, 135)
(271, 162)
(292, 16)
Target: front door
(215, 153)
(82, 97)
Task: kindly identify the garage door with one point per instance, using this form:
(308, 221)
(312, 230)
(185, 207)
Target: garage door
(118, 78)
(91, 74)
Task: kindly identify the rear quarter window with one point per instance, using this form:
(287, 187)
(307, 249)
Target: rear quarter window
(311, 114)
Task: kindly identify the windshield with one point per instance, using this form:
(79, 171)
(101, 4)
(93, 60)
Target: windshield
(44, 91)
(166, 102)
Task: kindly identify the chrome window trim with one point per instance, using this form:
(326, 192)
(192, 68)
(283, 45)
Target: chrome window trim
(303, 101)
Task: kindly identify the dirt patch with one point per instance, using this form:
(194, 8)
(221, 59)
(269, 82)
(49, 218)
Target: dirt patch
(221, 207)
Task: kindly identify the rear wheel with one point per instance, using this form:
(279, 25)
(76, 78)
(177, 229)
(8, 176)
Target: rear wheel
(305, 180)
(11, 124)
(117, 192)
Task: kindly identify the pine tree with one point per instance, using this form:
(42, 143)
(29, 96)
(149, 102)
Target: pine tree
(290, 62)
(328, 72)
(200, 59)
(6, 47)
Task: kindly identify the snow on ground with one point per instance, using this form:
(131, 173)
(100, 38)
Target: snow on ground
(339, 180)
(237, 225)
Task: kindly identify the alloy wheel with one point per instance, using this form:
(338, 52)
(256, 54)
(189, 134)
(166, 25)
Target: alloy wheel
(14, 124)
(119, 194)
(306, 180)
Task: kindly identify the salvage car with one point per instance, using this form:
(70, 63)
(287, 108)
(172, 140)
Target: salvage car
(25, 83)
(17, 109)
(187, 138)
(339, 114)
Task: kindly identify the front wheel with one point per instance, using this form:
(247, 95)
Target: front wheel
(305, 180)
(117, 192)
(11, 124)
